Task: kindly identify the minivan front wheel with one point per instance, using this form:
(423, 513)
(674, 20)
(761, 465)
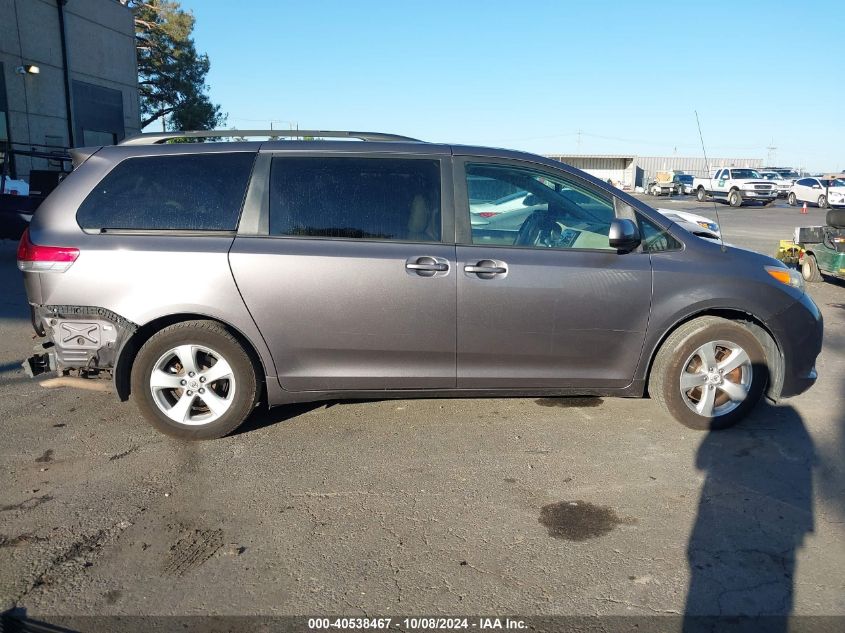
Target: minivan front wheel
(193, 380)
(709, 373)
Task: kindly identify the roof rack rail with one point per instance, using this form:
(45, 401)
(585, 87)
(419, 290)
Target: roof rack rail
(155, 138)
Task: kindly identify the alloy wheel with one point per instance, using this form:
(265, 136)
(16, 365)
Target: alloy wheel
(716, 378)
(192, 384)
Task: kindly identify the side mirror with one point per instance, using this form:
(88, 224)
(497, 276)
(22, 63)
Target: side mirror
(624, 234)
(817, 186)
(531, 200)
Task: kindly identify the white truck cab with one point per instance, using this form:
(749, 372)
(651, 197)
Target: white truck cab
(735, 186)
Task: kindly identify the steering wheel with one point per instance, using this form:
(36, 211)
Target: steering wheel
(539, 229)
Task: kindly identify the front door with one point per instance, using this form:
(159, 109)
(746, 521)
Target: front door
(352, 286)
(543, 301)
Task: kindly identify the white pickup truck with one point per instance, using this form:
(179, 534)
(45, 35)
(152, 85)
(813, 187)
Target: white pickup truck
(735, 186)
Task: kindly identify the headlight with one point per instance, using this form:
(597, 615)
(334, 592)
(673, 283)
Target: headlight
(787, 276)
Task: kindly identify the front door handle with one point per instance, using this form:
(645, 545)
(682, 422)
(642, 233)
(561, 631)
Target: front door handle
(486, 269)
(426, 266)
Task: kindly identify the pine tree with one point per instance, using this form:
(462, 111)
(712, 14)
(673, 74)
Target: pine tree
(171, 73)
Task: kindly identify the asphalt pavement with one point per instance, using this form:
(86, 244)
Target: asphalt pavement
(575, 506)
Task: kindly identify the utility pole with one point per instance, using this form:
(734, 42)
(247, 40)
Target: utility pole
(770, 157)
(578, 142)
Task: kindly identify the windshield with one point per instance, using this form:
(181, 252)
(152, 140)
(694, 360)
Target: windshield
(744, 173)
(836, 182)
(770, 175)
(684, 178)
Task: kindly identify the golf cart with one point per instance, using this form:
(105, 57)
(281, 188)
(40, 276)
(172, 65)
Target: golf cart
(818, 250)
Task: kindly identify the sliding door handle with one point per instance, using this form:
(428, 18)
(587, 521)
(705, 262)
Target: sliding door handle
(487, 269)
(492, 270)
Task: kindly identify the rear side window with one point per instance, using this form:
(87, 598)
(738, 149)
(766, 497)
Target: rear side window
(189, 192)
(363, 198)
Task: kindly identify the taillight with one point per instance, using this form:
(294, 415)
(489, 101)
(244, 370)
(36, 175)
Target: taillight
(44, 259)
(488, 214)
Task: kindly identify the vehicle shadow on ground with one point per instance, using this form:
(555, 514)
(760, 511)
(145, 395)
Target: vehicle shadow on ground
(756, 507)
(264, 416)
(16, 619)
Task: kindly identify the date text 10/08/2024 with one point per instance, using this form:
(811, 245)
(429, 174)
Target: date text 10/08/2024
(417, 623)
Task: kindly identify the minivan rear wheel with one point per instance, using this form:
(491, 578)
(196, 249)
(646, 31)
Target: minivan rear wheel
(709, 373)
(193, 380)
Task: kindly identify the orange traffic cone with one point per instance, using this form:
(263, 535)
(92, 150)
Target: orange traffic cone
(804, 209)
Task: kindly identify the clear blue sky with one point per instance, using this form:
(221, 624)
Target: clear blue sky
(529, 75)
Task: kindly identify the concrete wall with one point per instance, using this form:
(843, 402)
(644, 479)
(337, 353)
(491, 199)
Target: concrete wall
(632, 171)
(101, 52)
(620, 169)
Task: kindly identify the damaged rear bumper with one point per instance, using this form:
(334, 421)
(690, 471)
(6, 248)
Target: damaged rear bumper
(83, 338)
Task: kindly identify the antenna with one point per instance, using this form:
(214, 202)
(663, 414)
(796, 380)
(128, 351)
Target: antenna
(710, 178)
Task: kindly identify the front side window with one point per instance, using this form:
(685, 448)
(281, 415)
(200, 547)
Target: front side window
(185, 192)
(358, 198)
(512, 206)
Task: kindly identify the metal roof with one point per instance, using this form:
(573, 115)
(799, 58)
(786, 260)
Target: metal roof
(625, 156)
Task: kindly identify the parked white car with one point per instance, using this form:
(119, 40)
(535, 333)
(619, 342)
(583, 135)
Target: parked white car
(782, 183)
(511, 202)
(695, 224)
(823, 192)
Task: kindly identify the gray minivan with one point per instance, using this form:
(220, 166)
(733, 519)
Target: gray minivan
(208, 278)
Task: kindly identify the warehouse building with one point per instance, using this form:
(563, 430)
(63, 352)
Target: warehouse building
(68, 78)
(637, 171)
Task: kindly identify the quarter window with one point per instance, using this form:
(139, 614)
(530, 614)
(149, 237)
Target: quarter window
(510, 206)
(655, 239)
(186, 192)
(359, 198)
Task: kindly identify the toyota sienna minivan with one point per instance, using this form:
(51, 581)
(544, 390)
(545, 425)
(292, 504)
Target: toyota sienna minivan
(207, 279)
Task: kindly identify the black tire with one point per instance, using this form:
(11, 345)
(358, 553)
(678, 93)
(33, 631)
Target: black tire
(810, 269)
(669, 364)
(700, 194)
(822, 202)
(207, 334)
(735, 199)
(792, 199)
